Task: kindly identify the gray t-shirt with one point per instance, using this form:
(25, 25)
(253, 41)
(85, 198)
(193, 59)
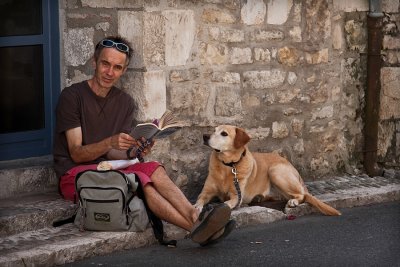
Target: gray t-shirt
(99, 118)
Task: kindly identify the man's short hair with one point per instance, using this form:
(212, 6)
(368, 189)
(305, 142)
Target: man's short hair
(115, 40)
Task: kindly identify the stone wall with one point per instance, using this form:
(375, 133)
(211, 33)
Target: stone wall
(292, 73)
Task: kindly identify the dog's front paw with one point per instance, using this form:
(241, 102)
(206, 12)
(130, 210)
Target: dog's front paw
(232, 204)
(293, 203)
(198, 206)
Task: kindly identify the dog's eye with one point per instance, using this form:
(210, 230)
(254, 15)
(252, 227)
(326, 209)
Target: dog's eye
(224, 134)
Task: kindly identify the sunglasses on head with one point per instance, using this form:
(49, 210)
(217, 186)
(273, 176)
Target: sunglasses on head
(119, 46)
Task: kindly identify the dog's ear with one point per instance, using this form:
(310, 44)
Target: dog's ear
(241, 138)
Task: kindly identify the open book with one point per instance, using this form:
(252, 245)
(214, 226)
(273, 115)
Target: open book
(165, 126)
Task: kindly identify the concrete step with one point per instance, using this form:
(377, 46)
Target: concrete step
(28, 212)
(27, 176)
(35, 242)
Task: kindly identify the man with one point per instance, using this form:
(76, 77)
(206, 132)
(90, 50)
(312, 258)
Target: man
(93, 119)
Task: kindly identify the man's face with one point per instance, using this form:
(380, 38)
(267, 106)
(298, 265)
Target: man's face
(109, 67)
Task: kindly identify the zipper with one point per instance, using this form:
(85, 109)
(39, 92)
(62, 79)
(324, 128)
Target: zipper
(101, 188)
(101, 201)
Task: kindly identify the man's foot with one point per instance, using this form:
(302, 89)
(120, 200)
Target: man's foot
(212, 218)
(221, 234)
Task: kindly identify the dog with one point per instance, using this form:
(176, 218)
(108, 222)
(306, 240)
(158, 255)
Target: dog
(255, 174)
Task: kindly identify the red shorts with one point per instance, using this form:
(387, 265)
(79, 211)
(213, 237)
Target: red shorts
(142, 170)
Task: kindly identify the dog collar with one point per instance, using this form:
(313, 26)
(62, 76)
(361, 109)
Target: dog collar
(232, 163)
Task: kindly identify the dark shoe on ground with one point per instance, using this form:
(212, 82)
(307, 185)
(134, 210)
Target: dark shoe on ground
(212, 218)
(221, 234)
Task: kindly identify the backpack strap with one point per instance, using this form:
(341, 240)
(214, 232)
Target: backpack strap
(156, 223)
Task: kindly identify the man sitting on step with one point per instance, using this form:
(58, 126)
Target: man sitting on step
(92, 124)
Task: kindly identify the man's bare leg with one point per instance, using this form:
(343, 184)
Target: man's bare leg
(166, 188)
(170, 204)
(163, 209)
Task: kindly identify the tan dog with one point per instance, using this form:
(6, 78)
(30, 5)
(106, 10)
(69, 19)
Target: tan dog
(256, 172)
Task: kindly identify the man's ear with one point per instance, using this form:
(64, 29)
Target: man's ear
(241, 138)
(94, 63)
(125, 68)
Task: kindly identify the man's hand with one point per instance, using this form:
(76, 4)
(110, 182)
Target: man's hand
(142, 148)
(122, 141)
(145, 146)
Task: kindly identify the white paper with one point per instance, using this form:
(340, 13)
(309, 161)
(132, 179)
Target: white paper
(116, 164)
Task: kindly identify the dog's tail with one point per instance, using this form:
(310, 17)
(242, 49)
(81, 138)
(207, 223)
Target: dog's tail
(321, 206)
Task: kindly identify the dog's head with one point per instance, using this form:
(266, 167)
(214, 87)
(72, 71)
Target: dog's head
(226, 138)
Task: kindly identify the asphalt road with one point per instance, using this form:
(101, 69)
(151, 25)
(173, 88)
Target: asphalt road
(362, 236)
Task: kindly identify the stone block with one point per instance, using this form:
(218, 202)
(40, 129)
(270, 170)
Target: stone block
(261, 54)
(76, 55)
(259, 133)
(154, 39)
(318, 21)
(390, 6)
(337, 36)
(287, 96)
(318, 164)
(296, 16)
(148, 89)
(103, 26)
(214, 33)
(278, 11)
(322, 113)
(191, 101)
(263, 79)
(262, 36)
(240, 56)
(211, 15)
(184, 75)
(390, 93)
(213, 54)
(279, 130)
(227, 101)
(295, 33)
(225, 77)
(155, 94)
(356, 35)
(179, 36)
(288, 56)
(292, 78)
(232, 36)
(392, 57)
(386, 133)
(253, 12)
(130, 25)
(350, 6)
(390, 42)
(299, 147)
(318, 57)
(250, 101)
(112, 4)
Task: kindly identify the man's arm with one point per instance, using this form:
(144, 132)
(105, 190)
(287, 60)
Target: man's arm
(84, 153)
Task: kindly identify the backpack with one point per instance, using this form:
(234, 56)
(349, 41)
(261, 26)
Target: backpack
(107, 202)
(114, 201)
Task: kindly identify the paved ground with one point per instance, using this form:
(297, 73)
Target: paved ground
(362, 236)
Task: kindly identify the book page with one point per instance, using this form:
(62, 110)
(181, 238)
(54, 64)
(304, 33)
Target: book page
(167, 125)
(168, 119)
(146, 130)
(166, 132)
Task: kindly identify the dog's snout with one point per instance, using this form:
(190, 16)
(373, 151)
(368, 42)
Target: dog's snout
(206, 137)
